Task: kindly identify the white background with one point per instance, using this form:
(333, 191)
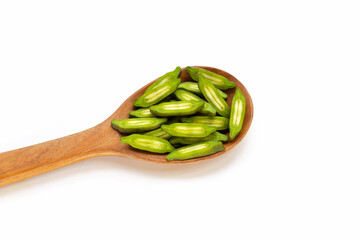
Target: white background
(67, 65)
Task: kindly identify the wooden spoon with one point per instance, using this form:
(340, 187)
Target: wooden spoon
(100, 140)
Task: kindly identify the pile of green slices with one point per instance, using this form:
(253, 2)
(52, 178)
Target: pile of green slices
(185, 119)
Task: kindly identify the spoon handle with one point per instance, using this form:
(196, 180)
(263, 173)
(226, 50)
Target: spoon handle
(26, 162)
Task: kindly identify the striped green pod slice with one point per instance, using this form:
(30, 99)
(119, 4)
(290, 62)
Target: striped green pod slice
(237, 114)
(196, 150)
(188, 129)
(188, 96)
(157, 94)
(178, 108)
(142, 113)
(219, 81)
(193, 87)
(213, 97)
(164, 79)
(148, 143)
(137, 125)
(159, 133)
(220, 123)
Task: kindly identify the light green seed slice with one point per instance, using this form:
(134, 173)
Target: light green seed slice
(188, 96)
(188, 129)
(148, 143)
(196, 150)
(159, 133)
(213, 97)
(237, 114)
(219, 81)
(164, 79)
(142, 113)
(178, 108)
(135, 125)
(157, 94)
(216, 136)
(193, 87)
(220, 123)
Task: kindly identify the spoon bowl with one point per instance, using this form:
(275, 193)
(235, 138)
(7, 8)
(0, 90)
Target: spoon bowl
(102, 140)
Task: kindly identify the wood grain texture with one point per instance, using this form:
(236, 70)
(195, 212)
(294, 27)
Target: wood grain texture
(101, 140)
